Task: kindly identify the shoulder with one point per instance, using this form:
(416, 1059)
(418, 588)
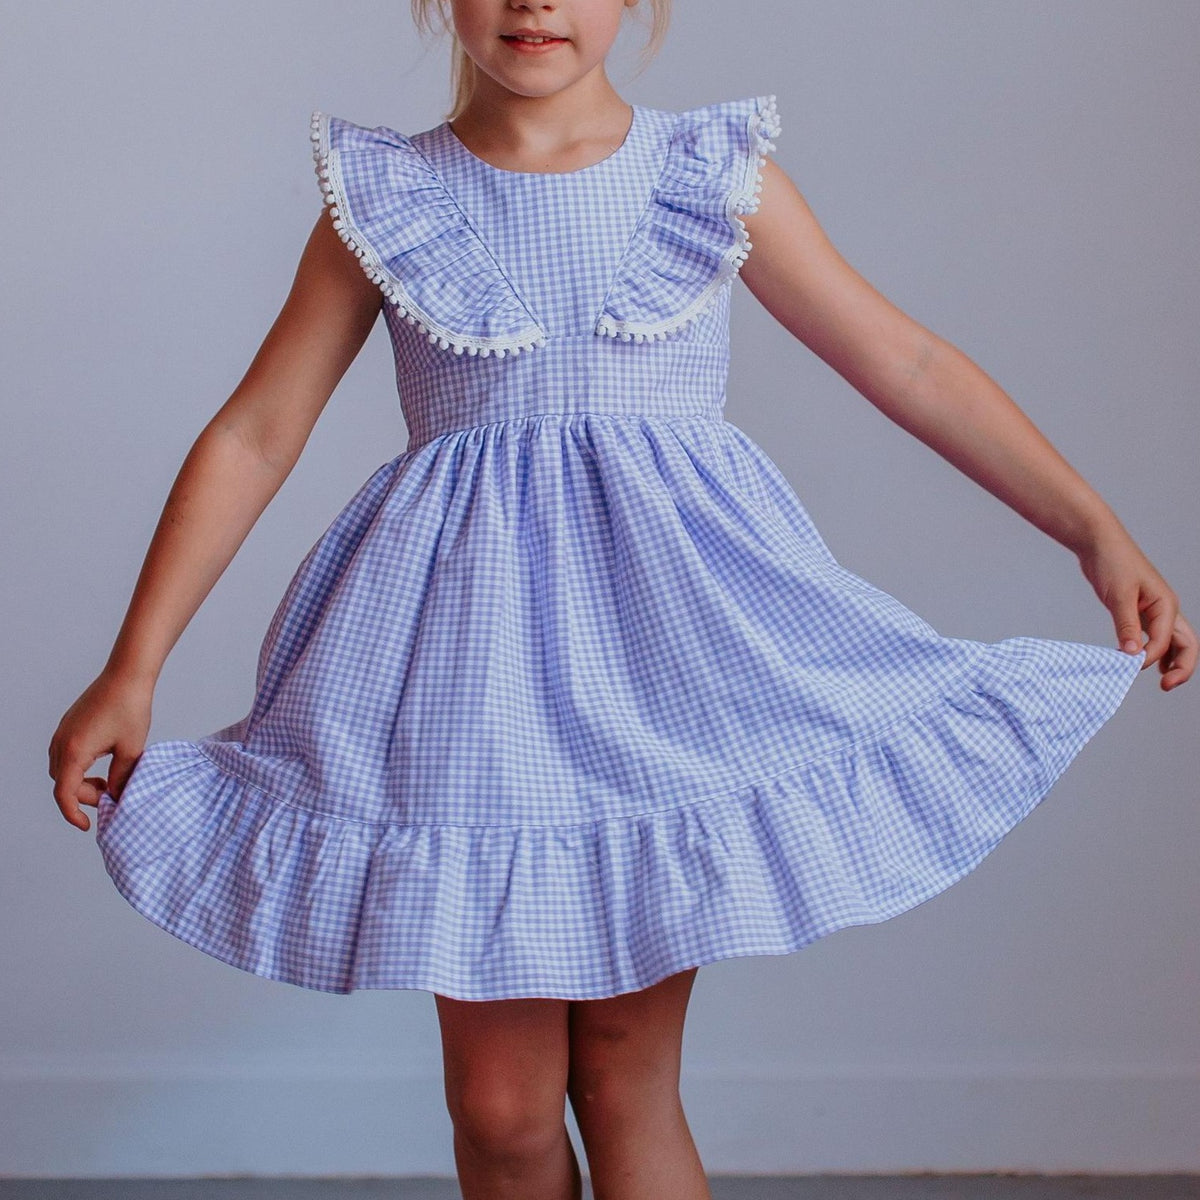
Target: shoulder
(329, 131)
(715, 158)
(731, 135)
(735, 116)
(347, 152)
(713, 161)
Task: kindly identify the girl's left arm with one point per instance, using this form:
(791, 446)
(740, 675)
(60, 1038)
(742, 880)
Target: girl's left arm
(930, 388)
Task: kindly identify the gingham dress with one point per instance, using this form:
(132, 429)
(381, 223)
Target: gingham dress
(572, 695)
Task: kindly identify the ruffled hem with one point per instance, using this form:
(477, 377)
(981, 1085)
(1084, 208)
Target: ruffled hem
(598, 908)
(692, 241)
(413, 241)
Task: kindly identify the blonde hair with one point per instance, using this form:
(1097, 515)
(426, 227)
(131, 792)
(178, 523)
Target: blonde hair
(434, 17)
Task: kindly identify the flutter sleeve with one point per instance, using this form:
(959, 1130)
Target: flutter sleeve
(390, 207)
(691, 240)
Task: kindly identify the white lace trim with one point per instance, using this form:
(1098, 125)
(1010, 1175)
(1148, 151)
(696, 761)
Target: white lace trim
(333, 190)
(762, 126)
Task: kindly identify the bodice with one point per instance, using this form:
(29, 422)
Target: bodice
(511, 293)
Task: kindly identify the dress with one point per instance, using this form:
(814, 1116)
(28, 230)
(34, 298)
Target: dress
(572, 695)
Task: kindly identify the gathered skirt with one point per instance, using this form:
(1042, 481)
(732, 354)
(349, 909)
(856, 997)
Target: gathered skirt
(562, 705)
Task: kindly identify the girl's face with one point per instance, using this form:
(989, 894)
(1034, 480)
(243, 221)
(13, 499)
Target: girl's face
(585, 30)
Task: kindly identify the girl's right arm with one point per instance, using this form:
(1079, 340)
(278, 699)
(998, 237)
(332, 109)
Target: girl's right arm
(233, 469)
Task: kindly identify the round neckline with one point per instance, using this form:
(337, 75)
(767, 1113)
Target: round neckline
(461, 147)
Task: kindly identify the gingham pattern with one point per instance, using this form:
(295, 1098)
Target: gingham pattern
(572, 695)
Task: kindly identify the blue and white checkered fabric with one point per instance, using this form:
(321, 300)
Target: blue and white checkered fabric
(572, 695)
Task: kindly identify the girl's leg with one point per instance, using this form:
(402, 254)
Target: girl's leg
(623, 1085)
(505, 1078)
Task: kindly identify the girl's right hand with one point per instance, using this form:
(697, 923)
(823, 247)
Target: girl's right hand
(112, 716)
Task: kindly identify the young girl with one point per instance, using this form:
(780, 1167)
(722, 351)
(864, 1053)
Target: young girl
(571, 698)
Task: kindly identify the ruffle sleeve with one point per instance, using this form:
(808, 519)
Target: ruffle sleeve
(691, 240)
(392, 210)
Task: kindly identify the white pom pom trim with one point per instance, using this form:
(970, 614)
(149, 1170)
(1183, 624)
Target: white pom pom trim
(762, 126)
(329, 177)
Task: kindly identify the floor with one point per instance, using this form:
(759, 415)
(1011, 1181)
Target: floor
(727, 1187)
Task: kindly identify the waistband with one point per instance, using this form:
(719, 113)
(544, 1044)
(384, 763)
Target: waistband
(565, 376)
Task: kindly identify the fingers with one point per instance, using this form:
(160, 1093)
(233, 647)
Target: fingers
(67, 763)
(54, 753)
(123, 762)
(1160, 616)
(89, 793)
(1179, 663)
(1129, 624)
(67, 785)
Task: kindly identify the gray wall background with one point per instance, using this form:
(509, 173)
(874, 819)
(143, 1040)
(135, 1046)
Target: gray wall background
(1021, 177)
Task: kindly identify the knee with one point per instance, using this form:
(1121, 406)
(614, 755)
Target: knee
(501, 1123)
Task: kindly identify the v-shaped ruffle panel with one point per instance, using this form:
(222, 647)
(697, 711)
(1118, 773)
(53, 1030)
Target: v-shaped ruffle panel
(411, 237)
(390, 206)
(691, 239)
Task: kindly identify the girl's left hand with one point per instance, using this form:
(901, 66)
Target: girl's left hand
(1138, 597)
